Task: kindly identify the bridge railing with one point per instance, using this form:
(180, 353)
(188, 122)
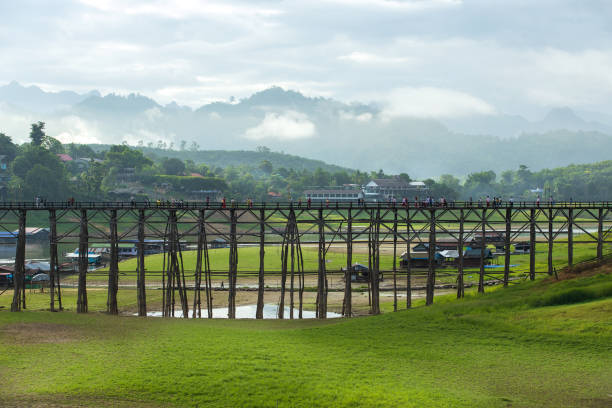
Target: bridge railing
(33, 205)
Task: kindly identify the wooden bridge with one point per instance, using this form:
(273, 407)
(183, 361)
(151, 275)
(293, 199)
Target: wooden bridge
(347, 228)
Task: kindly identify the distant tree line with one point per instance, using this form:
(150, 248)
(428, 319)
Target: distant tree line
(46, 168)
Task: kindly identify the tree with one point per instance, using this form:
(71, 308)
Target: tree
(263, 149)
(182, 145)
(42, 181)
(53, 145)
(92, 178)
(341, 177)
(404, 177)
(266, 166)
(33, 155)
(37, 133)
(123, 157)
(173, 167)
(194, 147)
(7, 147)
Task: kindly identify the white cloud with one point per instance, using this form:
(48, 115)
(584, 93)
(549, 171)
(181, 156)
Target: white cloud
(364, 117)
(427, 102)
(398, 5)
(72, 129)
(287, 126)
(368, 58)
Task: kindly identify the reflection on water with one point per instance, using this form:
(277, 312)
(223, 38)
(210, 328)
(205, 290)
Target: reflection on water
(270, 311)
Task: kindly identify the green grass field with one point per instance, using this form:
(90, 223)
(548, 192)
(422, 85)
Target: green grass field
(542, 343)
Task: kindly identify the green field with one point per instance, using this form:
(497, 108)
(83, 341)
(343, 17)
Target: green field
(542, 343)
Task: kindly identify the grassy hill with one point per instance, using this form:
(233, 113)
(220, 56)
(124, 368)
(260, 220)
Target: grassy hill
(542, 343)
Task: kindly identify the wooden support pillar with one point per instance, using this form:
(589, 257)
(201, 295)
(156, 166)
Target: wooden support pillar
(261, 280)
(600, 217)
(551, 238)
(394, 259)
(375, 270)
(233, 267)
(140, 279)
(206, 266)
(347, 304)
(83, 264)
(19, 300)
(431, 273)
(322, 275)
(113, 270)
(197, 290)
(54, 279)
(532, 243)
(284, 263)
(460, 283)
(483, 246)
(570, 238)
(292, 240)
(408, 262)
(507, 250)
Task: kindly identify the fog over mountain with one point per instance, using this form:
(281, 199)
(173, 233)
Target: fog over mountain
(367, 136)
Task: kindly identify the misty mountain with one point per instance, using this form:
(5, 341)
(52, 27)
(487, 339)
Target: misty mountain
(34, 99)
(504, 126)
(353, 135)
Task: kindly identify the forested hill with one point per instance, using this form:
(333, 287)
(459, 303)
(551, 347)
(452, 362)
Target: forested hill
(236, 158)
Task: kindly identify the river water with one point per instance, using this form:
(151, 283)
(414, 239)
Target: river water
(270, 311)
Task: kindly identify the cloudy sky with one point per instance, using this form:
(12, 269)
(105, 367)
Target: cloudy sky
(436, 58)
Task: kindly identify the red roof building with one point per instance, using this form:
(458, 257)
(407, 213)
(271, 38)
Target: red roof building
(64, 157)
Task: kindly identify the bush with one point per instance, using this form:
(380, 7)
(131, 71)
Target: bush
(574, 295)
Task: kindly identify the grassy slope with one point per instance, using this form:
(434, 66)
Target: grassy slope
(533, 344)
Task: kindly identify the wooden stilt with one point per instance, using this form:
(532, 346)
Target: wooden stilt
(375, 270)
(140, 278)
(551, 238)
(284, 262)
(460, 283)
(233, 267)
(322, 274)
(394, 259)
(292, 238)
(300, 274)
(600, 239)
(348, 274)
(54, 279)
(197, 289)
(206, 266)
(431, 272)
(113, 270)
(482, 251)
(507, 246)
(261, 280)
(408, 262)
(19, 295)
(83, 264)
(570, 238)
(532, 243)
(370, 260)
